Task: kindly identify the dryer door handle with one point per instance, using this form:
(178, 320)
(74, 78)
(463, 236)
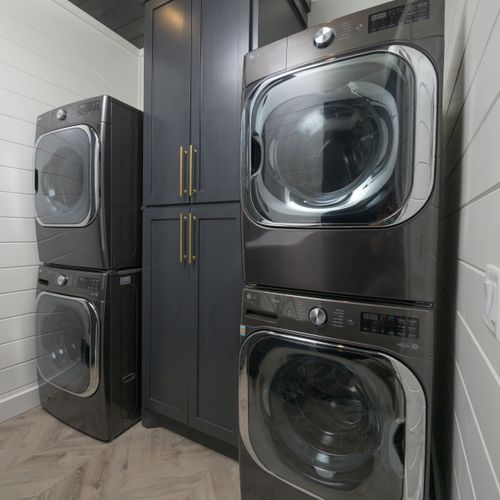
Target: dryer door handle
(256, 153)
(36, 181)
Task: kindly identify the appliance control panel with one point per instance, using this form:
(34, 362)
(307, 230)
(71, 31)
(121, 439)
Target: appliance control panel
(404, 329)
(79, 283)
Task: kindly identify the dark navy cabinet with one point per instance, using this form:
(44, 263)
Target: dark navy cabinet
(192, 290)
(193, 73)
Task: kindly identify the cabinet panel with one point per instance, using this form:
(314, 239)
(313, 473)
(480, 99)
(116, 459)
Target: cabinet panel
(167, 314)
(213, 403)
(167, 99)
(221, 37)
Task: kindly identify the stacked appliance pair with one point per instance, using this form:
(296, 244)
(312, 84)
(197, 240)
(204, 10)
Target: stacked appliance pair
(87, 183)
(340, 198)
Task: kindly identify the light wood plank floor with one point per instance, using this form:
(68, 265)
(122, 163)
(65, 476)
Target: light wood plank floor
(43, 459)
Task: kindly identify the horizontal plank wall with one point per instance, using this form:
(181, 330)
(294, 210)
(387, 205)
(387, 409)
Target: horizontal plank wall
(467, 445)
(51, 53)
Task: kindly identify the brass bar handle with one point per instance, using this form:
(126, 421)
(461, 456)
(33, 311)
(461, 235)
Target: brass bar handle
(182, 154)
(192, 152)
(191, 256)
(182, 255)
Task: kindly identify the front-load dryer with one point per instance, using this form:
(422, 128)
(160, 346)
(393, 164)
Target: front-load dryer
(340, 142)
(88, 185)
(88, 348)
(334, 399)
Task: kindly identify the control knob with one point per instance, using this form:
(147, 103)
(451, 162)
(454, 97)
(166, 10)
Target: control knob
(324, 37)
(62, 280)
(61, 114)
(317, 316)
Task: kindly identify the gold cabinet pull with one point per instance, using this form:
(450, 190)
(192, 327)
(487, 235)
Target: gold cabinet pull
(182, 255)
(192, 152)
(191, 256)
(182, 154)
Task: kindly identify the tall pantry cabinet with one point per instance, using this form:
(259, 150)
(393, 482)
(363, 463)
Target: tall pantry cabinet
(194, 53)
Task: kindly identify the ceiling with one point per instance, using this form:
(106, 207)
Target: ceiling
(125, 17)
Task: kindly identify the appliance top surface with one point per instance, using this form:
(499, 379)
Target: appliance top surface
(87, 111)
(400, 21)
(405, 331)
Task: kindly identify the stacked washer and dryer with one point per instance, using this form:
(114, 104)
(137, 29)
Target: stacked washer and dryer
(340, 198)
(87, 183)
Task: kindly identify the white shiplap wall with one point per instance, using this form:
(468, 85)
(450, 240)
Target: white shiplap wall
(467, 444)
(51, 53)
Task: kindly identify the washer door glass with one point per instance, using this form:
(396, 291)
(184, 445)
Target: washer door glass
(65, 177)
(329, 421)
(67, 334)
(331, 144)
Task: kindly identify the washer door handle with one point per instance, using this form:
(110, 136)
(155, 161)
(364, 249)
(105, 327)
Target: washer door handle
(396, 445)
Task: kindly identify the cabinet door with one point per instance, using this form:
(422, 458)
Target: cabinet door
(213, 394)
(167, 313)
(167, 95)
(221, 37)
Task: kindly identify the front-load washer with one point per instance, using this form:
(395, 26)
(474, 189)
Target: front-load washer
(88, 185)
(334, 399)
(88, 348)
(340, 142)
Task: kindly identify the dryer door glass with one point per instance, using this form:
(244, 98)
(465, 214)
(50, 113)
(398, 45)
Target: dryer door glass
(332, 144)
(66, 190)
(67, 334)
(327, 420)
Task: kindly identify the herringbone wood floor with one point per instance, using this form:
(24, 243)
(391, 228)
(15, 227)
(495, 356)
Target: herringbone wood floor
(41, 458)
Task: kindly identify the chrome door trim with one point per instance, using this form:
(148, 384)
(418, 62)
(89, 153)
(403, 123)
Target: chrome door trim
(95, 353)
(426, 115)
(95, 153)
(415, 409)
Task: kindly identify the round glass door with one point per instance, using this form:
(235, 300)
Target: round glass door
(67, 335)
(329, 421)
(65, 177)
(332, 144)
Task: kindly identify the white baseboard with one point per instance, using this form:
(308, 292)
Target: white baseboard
(19, 401)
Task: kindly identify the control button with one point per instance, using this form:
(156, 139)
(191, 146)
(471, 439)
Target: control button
(324, 37)
(61, 114)
(317, 316)
(62, 280)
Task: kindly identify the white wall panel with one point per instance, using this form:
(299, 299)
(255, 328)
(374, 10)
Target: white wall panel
(17, 327)
(14, 180)
(51, 54)
(17, 279)
(470, 241)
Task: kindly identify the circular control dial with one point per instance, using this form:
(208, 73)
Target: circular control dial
(317, 316)
(324, 37)
(62, 280)
(61, 114)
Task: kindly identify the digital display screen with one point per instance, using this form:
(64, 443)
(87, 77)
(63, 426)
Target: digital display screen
(388, 324)
(403, 14)
(89, 107)
(88, 283)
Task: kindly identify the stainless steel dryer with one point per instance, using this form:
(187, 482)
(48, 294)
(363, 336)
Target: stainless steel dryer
(335, 399)
(340, 155)
(88, 185)
(88, 348)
